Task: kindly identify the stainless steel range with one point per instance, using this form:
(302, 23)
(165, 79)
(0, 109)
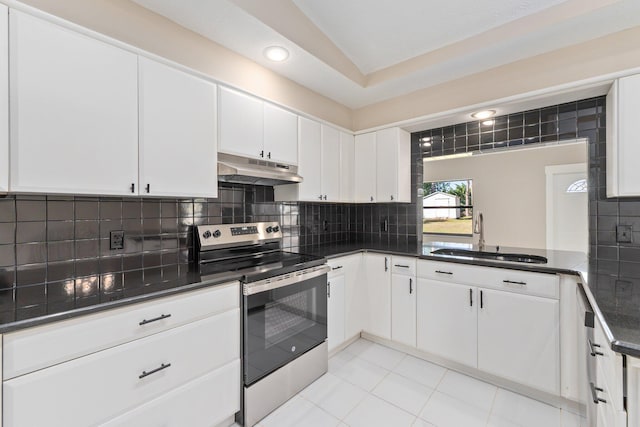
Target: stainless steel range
(284, 304)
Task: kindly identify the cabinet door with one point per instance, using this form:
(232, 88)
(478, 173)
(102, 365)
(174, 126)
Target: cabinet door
(330, 163)
(387, 165)
(447, 320)
(240, 124)
(623, 108)
(377, 285)
(518, 339)
(74, 111)
(403, 309)
(335, 308)
(178, 151)
(347, 164)
(4, 98)
(310, 155)
(280, 135)
(365, 168)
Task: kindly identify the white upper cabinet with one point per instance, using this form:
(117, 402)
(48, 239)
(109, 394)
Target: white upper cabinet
(280, 135)
(253, 128)
(347, 162)
(177, 133)
(4, 98)
(310, 154)
(393, 153)
(73, 109)
(623, 150)
(330, 164)
(365, 168)
(241, 119)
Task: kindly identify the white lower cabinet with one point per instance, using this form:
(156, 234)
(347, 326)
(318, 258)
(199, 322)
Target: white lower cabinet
(335, 311)
(203, 402)
(447, 321)
(518, 339)
(133, 380)
(377, 287)
(403, 309)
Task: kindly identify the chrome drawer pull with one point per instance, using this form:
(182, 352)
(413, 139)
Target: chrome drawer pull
(155, 319)
(158, 369)
(337, 268)
(443, 272)
(594, 352)
(594, 394)
(515, 282)
(400, 265)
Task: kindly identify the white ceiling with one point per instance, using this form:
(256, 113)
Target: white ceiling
(359, 52)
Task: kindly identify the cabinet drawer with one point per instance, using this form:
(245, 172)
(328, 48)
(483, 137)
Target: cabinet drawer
(403, 265)
(524, 282)
(36, 348)
(204, 402)
(338, 266)
(95, 388)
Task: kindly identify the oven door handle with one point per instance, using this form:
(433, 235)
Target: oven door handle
(284, 280)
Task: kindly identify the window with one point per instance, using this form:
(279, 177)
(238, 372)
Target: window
(447, 207)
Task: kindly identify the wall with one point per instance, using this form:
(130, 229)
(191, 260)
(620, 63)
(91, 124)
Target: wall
(509, 188)
(130, 23)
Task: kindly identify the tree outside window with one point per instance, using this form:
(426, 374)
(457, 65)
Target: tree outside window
(447, 207)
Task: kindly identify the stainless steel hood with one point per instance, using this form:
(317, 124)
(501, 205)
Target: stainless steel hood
(251, 171)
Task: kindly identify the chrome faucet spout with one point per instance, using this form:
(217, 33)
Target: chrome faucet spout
(478, 228)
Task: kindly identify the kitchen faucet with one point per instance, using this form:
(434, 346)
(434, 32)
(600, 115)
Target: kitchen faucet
(478, 228)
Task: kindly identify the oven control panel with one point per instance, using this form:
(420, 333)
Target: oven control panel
(211, 236)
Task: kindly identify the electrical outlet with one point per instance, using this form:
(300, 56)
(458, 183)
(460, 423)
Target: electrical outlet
(624, 233)
(117, 240)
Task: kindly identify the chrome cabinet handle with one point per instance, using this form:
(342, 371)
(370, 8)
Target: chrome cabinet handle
(269, 155)
(470, 297)
(391, 197)
(148, 188)
(262, 153)
(153, 371)
(328, 289)
(372, 198)
(325, 197)
(155, 319)
(594, 352)
(386, 265)
(594, 394)
(514, 282)
(444, 272)
(410, 285)
(320, 197)
(481, 300)
(133, 187)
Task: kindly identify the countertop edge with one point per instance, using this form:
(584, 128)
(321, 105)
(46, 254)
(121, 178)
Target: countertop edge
(92, 309)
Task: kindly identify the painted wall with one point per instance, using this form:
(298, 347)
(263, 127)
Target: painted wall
(509, 189)
(130, 23)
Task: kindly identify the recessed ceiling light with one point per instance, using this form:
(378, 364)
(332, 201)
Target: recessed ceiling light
(425, 139)
(484, 114)
(487, 123)
(426, 144)
(276, 53)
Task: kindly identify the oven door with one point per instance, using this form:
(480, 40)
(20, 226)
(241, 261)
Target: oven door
(284, 317)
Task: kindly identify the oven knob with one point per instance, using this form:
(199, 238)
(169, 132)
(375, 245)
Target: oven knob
(217, 233)
(206, 234)
(276, 229)
(270, 230)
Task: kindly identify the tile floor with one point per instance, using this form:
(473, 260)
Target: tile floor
(372, 385)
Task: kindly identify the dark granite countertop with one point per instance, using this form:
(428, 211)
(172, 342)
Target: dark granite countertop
(186, 281)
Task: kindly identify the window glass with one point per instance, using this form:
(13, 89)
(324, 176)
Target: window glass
(447, 207)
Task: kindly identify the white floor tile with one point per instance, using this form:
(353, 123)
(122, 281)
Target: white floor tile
(446, 411)
(403, 392)
(380, 355)
(334, 395)
(357, 347)
(297, 412)
(339, 360)
(467, 389)
(421, 371)
(524, 411)
(364, 374)
(374, 412)
(422, 423)
(496, 421)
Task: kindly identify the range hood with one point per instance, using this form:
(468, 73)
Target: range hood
(251, 171)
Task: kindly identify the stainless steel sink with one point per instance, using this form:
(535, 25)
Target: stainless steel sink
(497, 256)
